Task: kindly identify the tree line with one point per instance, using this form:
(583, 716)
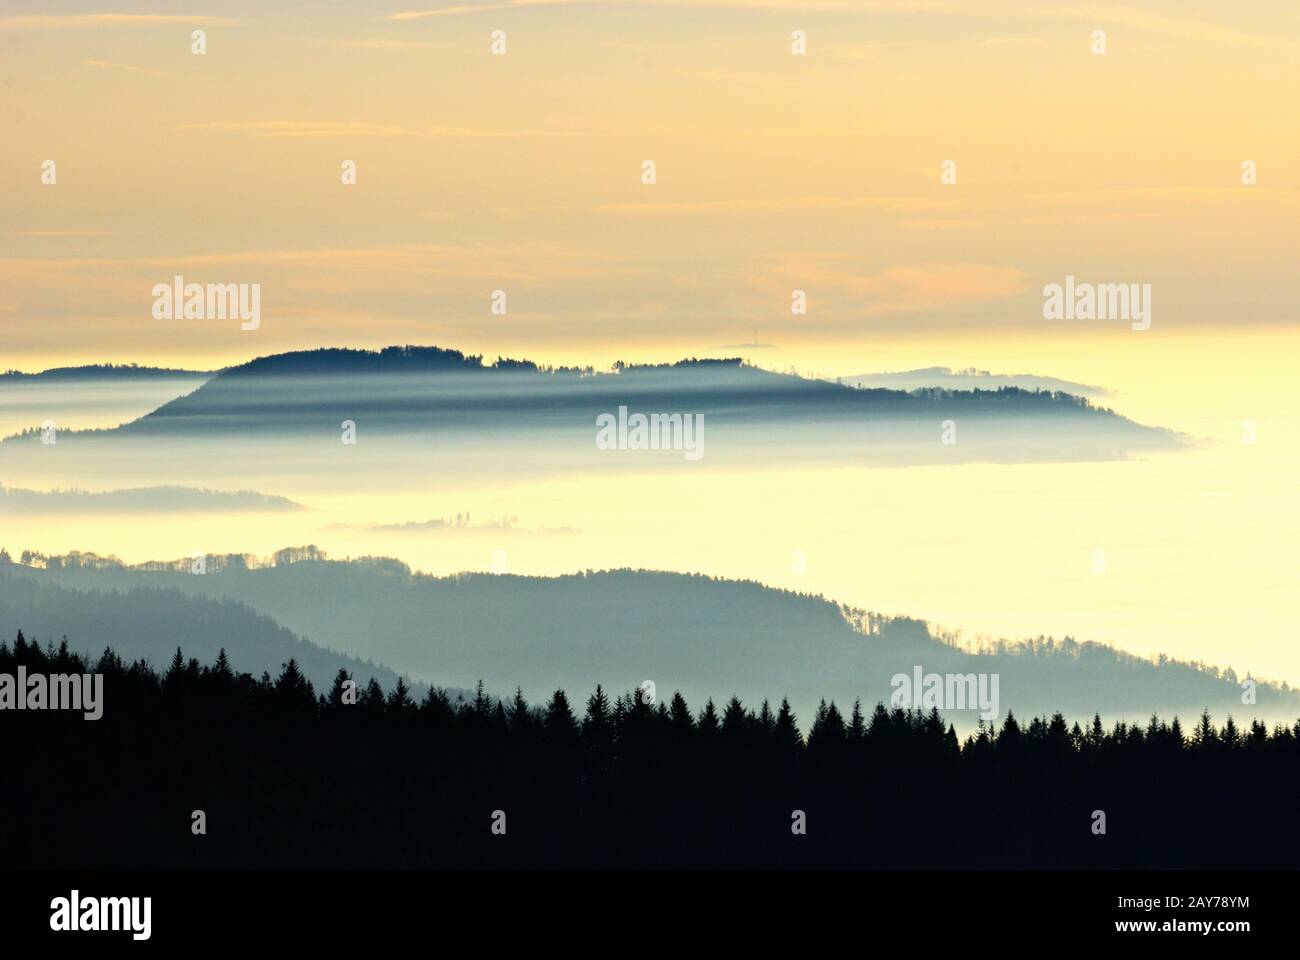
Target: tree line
(358, 776)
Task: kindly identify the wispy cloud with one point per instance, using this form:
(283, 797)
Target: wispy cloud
(107, 65)
(358, 265)
(830, 6)
(349, 128)
(894, 289)
(897, 204)
(1180, 26)
(73, 21)
(985, 222)
(456, 9)
(378, 43)
(1175, 195)
(1177, 24)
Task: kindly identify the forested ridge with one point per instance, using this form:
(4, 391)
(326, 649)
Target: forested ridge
(702, 635)
(289, 777)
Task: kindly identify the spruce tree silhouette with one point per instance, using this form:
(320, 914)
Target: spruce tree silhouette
(680, 720)
(320, 782)
(857, 725)
(561, 726)
(339, 690)
(708, 726)
(735, 724)
(400, 705)
(597, 724)
(521, 719)
(787, 737)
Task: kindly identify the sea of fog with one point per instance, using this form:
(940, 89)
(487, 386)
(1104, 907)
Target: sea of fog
(1187, 552)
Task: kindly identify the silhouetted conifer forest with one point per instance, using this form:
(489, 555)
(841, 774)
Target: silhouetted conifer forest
(289, 777)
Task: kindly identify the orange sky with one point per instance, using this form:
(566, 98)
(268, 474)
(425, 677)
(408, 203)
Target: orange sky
(522, 172)
(775, 172)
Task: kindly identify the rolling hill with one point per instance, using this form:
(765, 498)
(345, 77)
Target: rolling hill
(703, 636)
(150, 623)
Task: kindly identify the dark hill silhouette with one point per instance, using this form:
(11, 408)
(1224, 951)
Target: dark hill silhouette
(422, 389)
(695, 633)
(102, 371)
(149, 623)
(336, 361)
(16, 500)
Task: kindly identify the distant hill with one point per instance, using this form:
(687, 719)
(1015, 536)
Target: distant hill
(151, 622)
(968, 379)
(704, 636)
(101, 371)
(87, 397)
(749, 412)
(404, 386)
(165, 499)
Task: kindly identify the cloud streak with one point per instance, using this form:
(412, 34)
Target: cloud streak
(825, 6)
(356, 128)
(76, 21)
(892, 289)
(757, 205)
(1178, 24)
(107, 65)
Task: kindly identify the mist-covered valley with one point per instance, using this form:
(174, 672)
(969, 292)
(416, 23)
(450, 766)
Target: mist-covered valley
(991, 513)
(704, 637)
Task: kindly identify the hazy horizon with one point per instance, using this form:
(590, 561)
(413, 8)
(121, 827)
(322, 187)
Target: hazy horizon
(896, 194)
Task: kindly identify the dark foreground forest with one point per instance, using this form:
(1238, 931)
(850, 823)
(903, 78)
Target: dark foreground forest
(289, 778)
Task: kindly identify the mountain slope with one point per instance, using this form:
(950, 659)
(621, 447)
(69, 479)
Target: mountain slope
(403, 400)
(411, 386)
(16, 500)
(151, 622)
(703, 636)
(971, 379)
(104, 372)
